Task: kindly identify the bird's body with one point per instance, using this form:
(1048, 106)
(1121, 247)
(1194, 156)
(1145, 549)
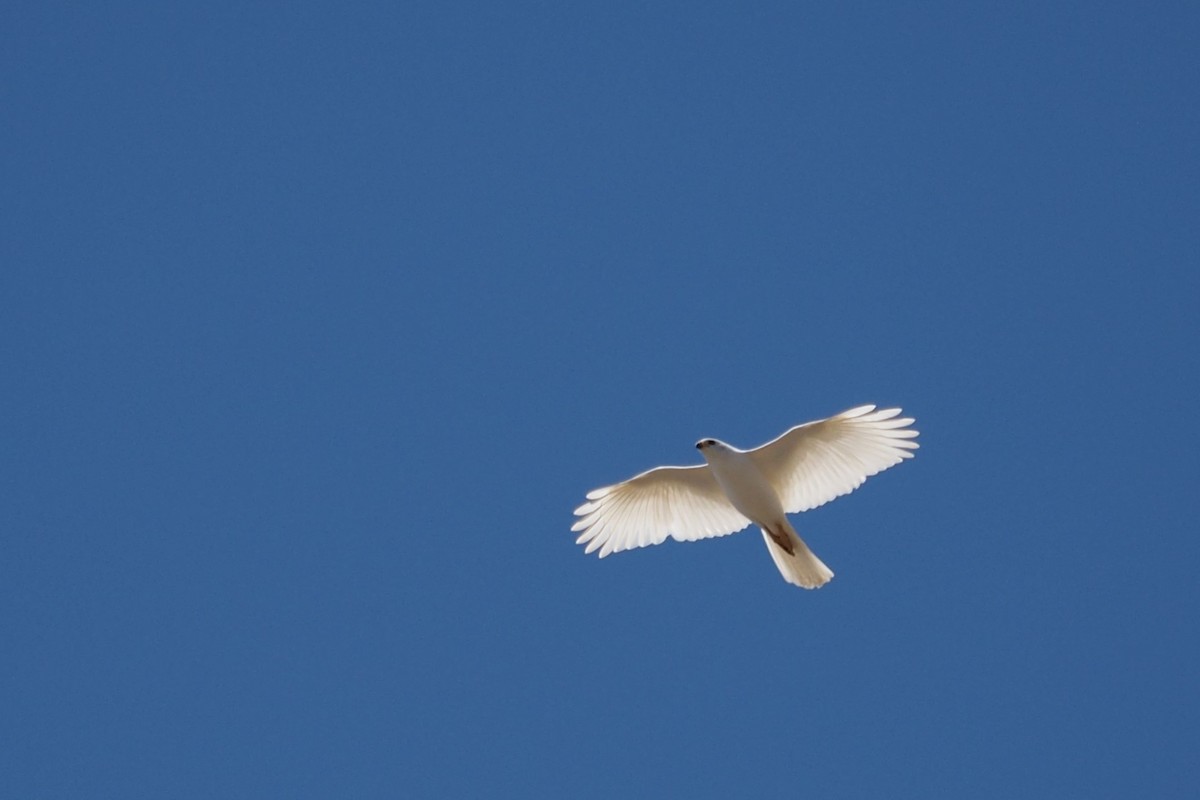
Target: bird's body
(753, 496)
(806, 467)
(742, 482)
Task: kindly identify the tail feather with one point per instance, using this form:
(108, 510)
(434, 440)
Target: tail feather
(800, 567)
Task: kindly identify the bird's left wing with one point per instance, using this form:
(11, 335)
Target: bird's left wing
(813, 463)
(684, 503)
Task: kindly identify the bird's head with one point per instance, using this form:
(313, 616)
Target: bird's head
(707, 446)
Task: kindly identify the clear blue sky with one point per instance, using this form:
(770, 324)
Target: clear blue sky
(317, 321)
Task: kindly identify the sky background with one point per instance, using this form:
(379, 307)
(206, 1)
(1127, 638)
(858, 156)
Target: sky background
(318, 320)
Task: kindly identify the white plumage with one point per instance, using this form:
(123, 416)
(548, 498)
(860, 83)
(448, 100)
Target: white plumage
(806, 467)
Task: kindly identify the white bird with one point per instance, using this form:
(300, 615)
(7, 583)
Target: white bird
(806, 467)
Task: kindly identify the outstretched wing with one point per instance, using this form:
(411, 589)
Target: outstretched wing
(813, 463)
(684, 503)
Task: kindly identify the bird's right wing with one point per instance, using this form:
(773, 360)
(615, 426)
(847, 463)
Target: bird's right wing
(684, 503)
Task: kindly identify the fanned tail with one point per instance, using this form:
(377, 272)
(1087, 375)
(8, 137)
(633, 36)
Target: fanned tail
(796, 563)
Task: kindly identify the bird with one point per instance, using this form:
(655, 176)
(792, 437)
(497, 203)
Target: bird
(807, 466)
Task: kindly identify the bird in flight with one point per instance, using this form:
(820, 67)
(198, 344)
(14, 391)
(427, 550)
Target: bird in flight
(806, 467)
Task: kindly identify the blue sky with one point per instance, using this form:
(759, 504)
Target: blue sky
(317, 321)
